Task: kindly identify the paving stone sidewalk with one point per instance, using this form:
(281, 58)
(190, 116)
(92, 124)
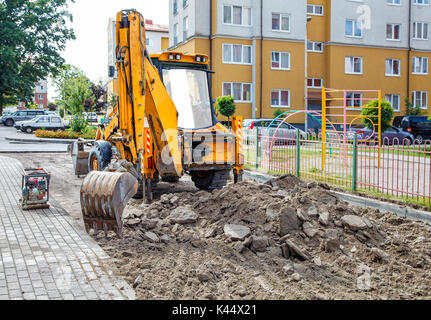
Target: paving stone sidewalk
(45, 254)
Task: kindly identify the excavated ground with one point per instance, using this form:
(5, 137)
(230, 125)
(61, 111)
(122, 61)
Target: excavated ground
(281, 240)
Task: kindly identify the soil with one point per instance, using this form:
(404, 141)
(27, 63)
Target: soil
(303, 243)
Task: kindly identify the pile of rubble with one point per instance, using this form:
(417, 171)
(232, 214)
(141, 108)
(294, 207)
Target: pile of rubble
(285, 239)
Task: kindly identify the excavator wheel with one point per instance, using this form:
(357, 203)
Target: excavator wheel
(104, 195)
(100, 156)
(210, 180)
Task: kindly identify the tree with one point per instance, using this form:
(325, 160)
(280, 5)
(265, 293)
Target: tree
(226, 106)
(32, 35)
(371, 111)
(100, 98)
(277, 113)
(412, 110)
(74, 89)
(52, 106)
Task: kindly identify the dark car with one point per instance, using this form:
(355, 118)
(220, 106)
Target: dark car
(418, 126)
(22, 115)
(389, 137)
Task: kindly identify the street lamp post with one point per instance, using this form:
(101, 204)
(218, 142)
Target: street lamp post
(308, 19)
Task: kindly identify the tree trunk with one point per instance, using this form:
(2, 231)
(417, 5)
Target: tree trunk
(1, 104)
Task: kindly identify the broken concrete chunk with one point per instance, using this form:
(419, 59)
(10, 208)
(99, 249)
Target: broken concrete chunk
(183, 215)
(139, 279)
(354, 223)
(296, 251)
(272, 211)
(259, 244)
(300, 214)
(317, 261)
(165, 238)
(312, 212)
(236, 232)
(309, 229)
(204, 276)
(174, 200)
(150, 236)
(288, 221)
(133, 222)
(324, 218)
(379, 255)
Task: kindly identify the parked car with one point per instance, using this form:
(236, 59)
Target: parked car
(22, 115)
(389, 137)
(285, 130)
(418, 126)
(44, 122)
(90, 116)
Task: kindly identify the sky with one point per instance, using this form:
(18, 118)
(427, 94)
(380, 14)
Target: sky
(89, 51)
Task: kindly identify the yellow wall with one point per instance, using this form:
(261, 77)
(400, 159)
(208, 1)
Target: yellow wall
(113, 88)
(165, 43)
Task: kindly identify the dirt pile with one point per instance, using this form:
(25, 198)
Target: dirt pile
(285, 239)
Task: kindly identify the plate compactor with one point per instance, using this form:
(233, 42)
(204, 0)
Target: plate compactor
(35, 189)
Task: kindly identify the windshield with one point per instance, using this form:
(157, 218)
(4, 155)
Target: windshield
(190, 93)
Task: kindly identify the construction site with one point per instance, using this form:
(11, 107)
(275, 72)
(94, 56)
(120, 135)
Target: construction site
(169, 203)
(285, 239)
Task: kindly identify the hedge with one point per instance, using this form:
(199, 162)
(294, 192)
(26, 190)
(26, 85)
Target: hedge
(91, 135)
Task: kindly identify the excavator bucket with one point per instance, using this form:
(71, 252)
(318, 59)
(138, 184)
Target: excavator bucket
(104, 195)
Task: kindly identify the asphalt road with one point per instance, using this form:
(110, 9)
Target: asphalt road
(25, 147)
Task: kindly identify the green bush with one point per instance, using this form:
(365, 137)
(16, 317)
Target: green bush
(226, 106)
(371, 111)
(277, 113)
(78, 123)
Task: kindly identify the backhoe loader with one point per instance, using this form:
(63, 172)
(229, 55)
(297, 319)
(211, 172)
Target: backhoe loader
(163, 126)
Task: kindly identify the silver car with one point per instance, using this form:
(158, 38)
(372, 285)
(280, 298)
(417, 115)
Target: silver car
(42, 122)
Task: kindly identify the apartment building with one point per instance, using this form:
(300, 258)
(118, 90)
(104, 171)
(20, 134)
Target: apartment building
(41, 94)
(157, 40)
(257, 49)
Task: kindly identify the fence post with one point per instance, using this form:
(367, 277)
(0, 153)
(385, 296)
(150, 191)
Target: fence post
(355, 163)
(257, 148)
(298, 153)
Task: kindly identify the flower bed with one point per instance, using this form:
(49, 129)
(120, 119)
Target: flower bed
(89, 135)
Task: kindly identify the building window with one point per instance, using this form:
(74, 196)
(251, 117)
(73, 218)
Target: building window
(420, 30)
(354, 99)
(41, 87)
(394, 2)
(314, 83)
(185, 28)
(40, 97)
(353, 29)
(316, 10)
(175, 34)
(280, 98)
(149, 42)
(422, 2)
(237, 15)
(420, 65)
(185, 3)
(353, 65)
(420, 99)
(175, 7)
(313, 46)
(236, 54)
(280, 22)
(241, 92)
(393, 67)
(394, 100)
(393, 31)
(280, 60)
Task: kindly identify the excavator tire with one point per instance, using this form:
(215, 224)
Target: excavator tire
(210, 180)
(100, 156)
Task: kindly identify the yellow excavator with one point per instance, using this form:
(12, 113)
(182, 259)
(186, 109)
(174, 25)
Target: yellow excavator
(163, 126)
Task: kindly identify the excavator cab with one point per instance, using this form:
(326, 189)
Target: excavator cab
(163, 126)
(208, 147)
